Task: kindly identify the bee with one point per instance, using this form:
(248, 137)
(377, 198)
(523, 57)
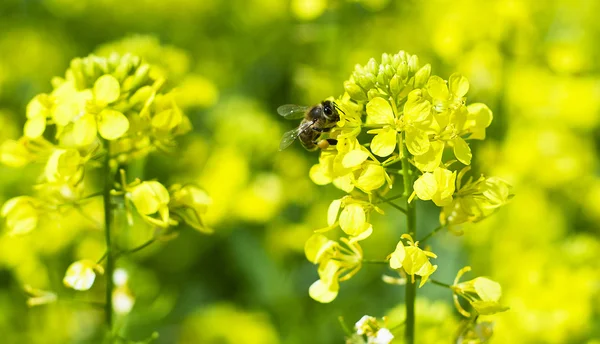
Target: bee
(317, 120)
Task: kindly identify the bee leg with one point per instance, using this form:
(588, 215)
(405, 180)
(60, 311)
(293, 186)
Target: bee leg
(332, 142)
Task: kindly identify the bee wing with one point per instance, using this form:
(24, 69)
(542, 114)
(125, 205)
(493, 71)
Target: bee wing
(288, 138)
(291, 111)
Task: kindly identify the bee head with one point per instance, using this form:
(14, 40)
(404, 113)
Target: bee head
(330, 111)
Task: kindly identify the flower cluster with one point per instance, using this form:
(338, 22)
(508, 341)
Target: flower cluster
(103, 114)
(395, 112)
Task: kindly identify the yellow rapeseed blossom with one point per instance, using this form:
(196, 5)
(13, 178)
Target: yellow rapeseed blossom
(18, 153)
(65, 166)
(338, 261)
(412, 259)
(437, 186)
(352, 216)
(189, 202)
(151, 200)
(482, 293)
(22, 214)
(475, 200)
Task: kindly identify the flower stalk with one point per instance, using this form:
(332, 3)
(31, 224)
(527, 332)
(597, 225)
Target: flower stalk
(108, 222)
(411, 228)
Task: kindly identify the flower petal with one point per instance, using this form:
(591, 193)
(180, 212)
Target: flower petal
(371, 178)
(462, 151)
(379, 111)
(35, 127)
(425, 186)
(432, 159)
(354, 158)
(397, 257)
(459, 85)
(333, 211)
(417, 141)
(322, 292)
(85, 130)
(437, 88)
(112, 124)
(384, 143)
(107, 89)
(352, 219)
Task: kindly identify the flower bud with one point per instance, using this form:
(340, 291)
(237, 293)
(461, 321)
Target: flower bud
(367, 81)
(422, 75)
(413, 64)
(355, 91)
(76, 69)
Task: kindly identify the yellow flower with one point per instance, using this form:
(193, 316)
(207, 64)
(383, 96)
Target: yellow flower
(109, 122)
(350, 165)
(447, 95)
(437, 186)
(482, 293)
(151, 198)
(22, 214)
(475, 200)
(322, 173)
(190, 203)
(38, 110)
(111, 125)
(479, 117)
(69, 103)
(168, 118)
(417, 120)
(337, 261)
(352, 215)
(65, 166)
(412, 259)
(81, 274)
(15, 153)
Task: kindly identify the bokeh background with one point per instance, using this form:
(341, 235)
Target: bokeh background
(535, 63)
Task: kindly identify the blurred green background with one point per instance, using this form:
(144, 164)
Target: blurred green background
(535, 63)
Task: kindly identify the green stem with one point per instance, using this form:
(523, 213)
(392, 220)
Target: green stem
(431, 234)
(384, 200)
(108, 221)
(344, 326)
(141, 247)
(411, 226)
(441, 284)
(388, 201)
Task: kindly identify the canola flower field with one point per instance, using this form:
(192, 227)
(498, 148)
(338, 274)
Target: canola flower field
(299, 171)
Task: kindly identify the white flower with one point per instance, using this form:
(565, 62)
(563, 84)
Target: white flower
(383, 336)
